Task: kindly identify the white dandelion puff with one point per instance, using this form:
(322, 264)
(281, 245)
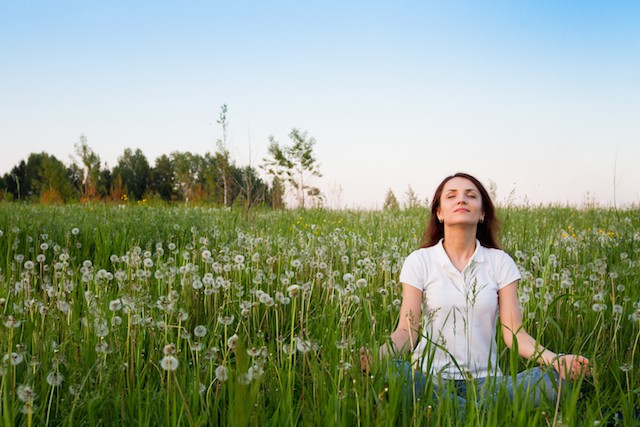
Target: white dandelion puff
(169, 363)
(233, 341)
(222, 373)
(26, 393)
(200, 331)
(54, 378)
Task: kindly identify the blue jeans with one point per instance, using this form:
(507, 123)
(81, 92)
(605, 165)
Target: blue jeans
(536, 384)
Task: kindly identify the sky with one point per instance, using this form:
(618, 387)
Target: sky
(540, 98)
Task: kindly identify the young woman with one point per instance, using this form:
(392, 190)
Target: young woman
(454, 286)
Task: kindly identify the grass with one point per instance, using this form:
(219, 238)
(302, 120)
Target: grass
(93, 298)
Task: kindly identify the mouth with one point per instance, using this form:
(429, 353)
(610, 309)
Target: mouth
(461, 210)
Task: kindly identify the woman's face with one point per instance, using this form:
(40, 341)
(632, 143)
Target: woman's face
(460, 203)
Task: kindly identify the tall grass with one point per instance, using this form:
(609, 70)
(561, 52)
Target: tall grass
(263, 316)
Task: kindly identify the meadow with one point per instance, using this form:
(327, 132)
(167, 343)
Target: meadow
(139, 315)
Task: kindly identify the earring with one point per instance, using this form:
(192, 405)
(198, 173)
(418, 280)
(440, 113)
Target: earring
(481, 220)
(441, 220)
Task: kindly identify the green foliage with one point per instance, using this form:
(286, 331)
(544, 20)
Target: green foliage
(390, 202)
(295, 164)
(94, 298)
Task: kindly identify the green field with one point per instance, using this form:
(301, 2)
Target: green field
(139, 315)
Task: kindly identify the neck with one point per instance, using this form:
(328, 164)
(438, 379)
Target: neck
(459, 243)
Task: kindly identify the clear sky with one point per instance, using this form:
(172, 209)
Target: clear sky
(540, 97)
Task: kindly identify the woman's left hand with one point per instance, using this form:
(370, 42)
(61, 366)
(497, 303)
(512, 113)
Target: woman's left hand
(571, 366)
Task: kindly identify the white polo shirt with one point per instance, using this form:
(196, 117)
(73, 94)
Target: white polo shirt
(459, 309)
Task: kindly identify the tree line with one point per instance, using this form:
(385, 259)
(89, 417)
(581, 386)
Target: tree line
(212, 178)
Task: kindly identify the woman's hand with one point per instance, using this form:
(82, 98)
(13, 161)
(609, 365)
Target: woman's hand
(571, 366)
(365, 360)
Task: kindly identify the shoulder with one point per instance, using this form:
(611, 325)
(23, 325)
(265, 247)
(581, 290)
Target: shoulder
(496, 254)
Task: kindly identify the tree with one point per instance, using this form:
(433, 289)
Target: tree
(135, 172)
(412, 200)
(390, 202)
(185, 174)
(223, 158)
(50, 179)
(17, 181)
(277, 193)
(91, 173)
(162, 181)
(295, 164)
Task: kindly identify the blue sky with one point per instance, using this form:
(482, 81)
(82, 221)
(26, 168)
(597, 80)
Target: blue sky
(540, 97)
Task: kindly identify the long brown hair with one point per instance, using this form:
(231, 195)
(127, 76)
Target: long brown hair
(487, 230)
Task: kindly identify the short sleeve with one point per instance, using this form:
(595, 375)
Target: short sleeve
(414, 271)
(507, 271)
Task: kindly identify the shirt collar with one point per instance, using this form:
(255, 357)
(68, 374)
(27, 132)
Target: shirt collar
(443, 258)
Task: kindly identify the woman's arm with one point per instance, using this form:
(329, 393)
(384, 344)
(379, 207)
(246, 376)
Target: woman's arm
(405, 337)
(567, 365)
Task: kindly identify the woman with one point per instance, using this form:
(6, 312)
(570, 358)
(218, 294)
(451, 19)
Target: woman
(458, 272)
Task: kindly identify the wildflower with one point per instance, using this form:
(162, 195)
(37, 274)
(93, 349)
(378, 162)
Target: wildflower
(55, 378)
(293, 290)
(115, 305)
(254, 352)
(255, 371)
(245, 379)
(28, 408)
(617, 309)
(182, 315)
(200, 331)
(233, 341)
(597, 307)
(26, 393)
(15, 358)
(626, 367)
(361, 283)
(343, 344)
(226, 320)
(222, 373)
(63, 306)
(28, 265)
(41, 258)
(102, 347)
(348, 277)
(169, 349)
(169, 363)
(75, 231)
(303, 346)
(238, 259)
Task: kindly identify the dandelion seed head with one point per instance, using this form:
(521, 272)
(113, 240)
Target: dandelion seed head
(54, 378)
(233, 341)
(169, 363)
(222, 373)
(15, 358)
(226, 320)
(169, 349)
(26, 393)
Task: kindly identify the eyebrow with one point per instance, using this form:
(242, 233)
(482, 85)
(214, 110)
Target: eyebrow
(466, 190)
